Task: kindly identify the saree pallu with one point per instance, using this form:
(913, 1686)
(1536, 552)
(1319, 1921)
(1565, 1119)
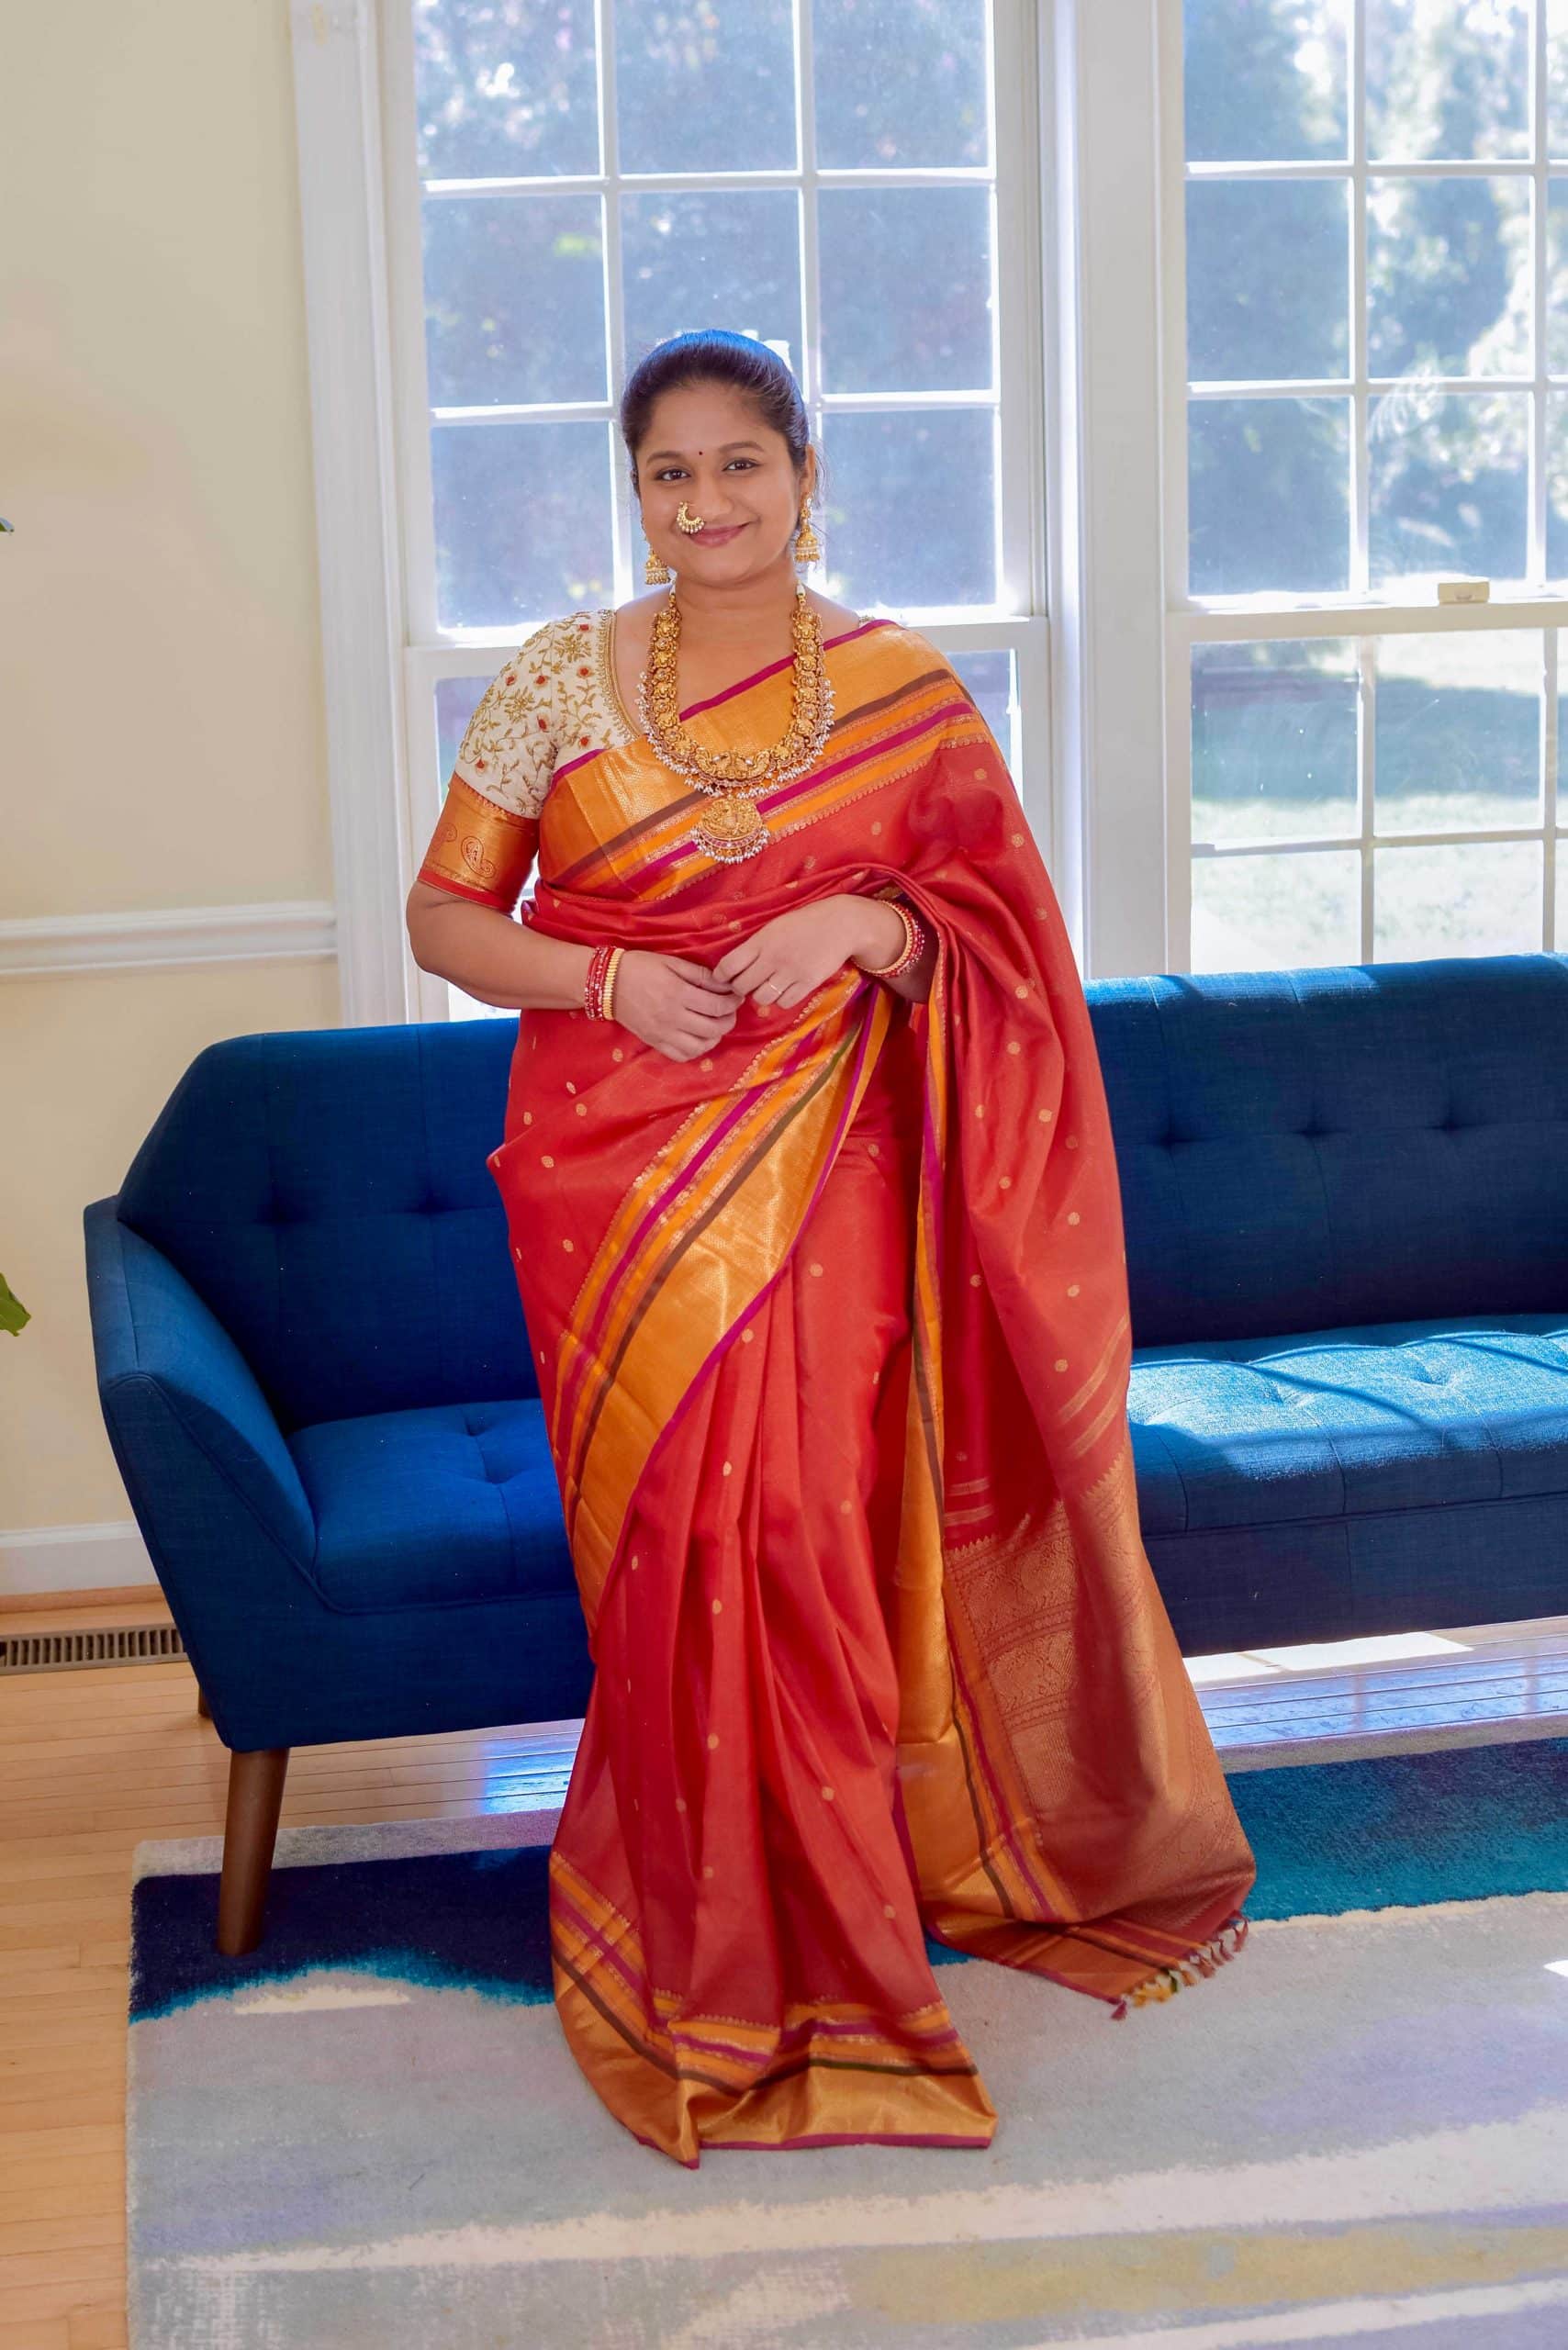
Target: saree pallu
(831, 1332)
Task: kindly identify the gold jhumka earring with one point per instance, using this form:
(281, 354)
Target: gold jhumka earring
(807, 546)
(656, 570)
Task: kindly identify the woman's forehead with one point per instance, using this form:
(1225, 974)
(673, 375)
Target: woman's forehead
(707, 415)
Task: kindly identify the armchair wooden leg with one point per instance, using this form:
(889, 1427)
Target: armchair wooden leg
(250, 1832)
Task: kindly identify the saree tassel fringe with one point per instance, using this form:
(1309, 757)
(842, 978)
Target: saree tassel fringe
(1166, 1981)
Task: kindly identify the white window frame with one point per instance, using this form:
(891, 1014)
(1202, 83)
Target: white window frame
(1361, 613)
(1076, 251)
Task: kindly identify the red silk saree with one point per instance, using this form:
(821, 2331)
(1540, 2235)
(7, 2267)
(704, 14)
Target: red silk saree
(831, 1332)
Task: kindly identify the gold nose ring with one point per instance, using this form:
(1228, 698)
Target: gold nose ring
(690, 523)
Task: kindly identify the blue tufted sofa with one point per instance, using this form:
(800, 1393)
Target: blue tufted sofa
(1346, 1198)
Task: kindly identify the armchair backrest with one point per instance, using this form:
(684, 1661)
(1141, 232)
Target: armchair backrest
(326, 1192)
(1304, 1149)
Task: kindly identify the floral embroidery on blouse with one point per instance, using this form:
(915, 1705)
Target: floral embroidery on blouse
(550, 703)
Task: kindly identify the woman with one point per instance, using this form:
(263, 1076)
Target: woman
(818, 1238)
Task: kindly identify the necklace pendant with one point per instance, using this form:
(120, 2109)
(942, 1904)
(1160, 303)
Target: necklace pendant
(731, 827)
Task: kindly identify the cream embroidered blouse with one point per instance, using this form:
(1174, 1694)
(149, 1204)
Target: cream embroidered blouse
(554, 700)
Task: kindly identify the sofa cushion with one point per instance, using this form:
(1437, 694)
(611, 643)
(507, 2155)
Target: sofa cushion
(444, 1502)
(1394, 1416)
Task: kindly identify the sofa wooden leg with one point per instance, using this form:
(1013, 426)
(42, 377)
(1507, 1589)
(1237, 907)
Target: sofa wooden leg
(250, 1832)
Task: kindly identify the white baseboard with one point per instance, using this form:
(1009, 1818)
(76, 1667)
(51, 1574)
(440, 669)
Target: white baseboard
(73, 1558)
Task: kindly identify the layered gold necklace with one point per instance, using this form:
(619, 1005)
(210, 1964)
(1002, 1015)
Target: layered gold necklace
(732, 826)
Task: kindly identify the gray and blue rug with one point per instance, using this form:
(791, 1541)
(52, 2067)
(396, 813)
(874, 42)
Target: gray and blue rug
(369, 2135)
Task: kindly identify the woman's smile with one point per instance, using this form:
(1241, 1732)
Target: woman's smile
(712, 538)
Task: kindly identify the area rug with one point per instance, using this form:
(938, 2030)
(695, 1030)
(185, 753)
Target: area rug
(369, 2135)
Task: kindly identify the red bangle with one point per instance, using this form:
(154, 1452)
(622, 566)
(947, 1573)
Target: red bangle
(593, 985)
(914, 945)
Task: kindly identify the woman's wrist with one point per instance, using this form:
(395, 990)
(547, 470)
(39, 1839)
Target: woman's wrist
(879, 933)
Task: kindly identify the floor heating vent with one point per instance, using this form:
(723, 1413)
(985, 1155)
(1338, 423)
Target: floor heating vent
(67, 1651)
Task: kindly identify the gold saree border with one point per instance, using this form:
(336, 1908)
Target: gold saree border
(830, 2070)
(478, 850)
(987, 1883)
(706, 1228)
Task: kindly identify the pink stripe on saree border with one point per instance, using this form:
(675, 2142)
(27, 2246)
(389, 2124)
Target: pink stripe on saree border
(731, 1336)
(684, 1174)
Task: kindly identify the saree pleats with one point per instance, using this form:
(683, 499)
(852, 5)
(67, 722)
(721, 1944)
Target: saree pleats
(831, 1334)
(732, 1899)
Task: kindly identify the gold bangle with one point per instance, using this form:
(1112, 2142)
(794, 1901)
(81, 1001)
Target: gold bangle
(876, 971)
(609, 970)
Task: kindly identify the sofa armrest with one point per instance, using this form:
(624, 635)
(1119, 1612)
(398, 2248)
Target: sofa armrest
(154, 1336)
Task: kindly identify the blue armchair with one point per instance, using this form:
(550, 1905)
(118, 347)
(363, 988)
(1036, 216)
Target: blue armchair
(1346, 1198)
(317, 1385)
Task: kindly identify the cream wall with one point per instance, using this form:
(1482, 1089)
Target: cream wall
(162, 726)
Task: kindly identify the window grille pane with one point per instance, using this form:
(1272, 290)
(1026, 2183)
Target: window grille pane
(1268, 495)
(1247, 317)
(1457, 732)
(495, 267)
(463, 1006)
(705, 87)
(1430, 308)
(505, 89)
(1557, 83)
(1557, 486)
(992, 680)
(1464, 897)
(1276, 912)
(1557, 277)
(456, 699)
(1274, 735)
(1447, 79)
(1265, 85)
(1447, 483)
(897, 86)
(909, 507)
(906, 289)
(1561, 933)
(731, 256)
(523, 520)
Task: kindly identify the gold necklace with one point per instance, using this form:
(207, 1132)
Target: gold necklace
(733, 827)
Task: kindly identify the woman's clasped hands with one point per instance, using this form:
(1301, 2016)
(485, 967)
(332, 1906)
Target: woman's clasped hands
(682, 1008)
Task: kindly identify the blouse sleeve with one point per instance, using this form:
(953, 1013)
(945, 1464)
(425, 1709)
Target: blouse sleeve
(486, 836)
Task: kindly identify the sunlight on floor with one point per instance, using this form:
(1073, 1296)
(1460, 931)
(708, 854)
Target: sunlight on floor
(1314, 1656)
(1323, 1700)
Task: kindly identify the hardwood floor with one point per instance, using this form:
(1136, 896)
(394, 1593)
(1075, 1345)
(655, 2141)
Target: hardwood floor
(92, 1764)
